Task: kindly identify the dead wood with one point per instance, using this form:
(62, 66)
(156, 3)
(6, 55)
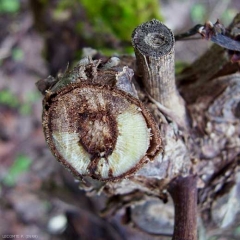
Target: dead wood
(204, 142)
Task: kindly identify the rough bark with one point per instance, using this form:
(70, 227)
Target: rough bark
(210, 87)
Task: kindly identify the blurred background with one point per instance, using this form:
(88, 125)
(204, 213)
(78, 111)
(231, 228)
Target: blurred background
(38, 38)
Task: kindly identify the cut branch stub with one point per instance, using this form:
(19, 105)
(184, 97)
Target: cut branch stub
(154, 44)
(153, 39)
(154, 47)
(98, 130)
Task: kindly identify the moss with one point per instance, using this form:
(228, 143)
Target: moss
(120, 17)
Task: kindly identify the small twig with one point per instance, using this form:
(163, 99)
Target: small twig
(189, 33)
(190, 38)
(214, 32)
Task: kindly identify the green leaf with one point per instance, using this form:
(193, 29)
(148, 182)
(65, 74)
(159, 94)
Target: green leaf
(9, 6)
(20, 165)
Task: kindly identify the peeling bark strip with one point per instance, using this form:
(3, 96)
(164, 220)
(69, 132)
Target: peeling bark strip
(184, 194)
(154, 44)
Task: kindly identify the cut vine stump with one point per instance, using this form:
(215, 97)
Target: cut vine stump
(193, 147)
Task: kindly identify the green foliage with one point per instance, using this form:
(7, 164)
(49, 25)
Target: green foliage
(198, 13)
(179, 66)
(17, 54)
(66, 4)
(25, 109)
(8, 98)
(44, 2)
(109, 52)
(120, 17)
(29, 99)
(21, 164)
(9, 6)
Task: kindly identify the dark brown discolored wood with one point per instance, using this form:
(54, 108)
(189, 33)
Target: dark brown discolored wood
(91, 112)
(97, 132)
